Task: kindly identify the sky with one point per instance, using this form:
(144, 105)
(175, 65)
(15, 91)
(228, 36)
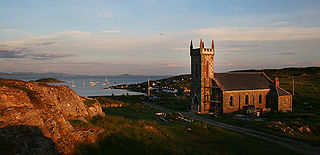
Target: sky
(152, 37)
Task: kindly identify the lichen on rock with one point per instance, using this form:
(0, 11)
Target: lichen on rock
(49, 108)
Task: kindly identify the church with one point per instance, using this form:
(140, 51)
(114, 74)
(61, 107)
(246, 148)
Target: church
(232, 91)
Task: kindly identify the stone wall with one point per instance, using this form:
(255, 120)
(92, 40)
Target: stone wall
(285, 103)
(253, 99)
(195, 80)
(206, 81)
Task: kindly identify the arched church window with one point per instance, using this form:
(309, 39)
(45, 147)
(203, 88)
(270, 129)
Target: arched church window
(231, 100)
(260, 98)
(247, 99)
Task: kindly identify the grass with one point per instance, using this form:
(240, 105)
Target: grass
(281, 124)
(133, 129)
(88, 102)
(172, 102)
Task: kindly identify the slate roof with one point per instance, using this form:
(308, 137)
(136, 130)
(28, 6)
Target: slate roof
(242, 81)
(282, 92)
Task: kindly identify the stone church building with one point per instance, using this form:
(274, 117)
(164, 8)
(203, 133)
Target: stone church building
(233, 91)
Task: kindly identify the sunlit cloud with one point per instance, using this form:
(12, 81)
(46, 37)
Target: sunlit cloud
(254, 33)
(107, 32)
(25, 53)
(180, 49)
(229, 49)
(279, 23)
(106, 15)
(13, 34)
(75, 34)
(287, 53)
(48, 56)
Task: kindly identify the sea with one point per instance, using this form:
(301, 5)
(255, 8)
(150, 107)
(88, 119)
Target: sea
(99, 88)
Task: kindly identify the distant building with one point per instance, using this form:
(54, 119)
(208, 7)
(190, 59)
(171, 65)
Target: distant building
(233, 91)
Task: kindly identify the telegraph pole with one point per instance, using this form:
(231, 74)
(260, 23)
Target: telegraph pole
(292, 85)
(148, 87)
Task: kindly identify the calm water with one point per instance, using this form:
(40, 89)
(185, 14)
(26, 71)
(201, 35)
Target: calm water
(97, 90)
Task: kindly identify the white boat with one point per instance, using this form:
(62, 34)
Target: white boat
(72, 84)
(91, 81)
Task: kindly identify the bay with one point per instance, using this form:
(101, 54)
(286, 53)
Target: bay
(98, 88)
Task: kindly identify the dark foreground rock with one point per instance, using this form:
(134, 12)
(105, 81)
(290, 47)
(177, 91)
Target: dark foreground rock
(44, 111)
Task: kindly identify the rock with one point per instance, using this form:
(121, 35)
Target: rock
(25, 140)
(25, 106)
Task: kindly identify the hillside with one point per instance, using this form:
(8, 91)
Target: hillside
(41, 119)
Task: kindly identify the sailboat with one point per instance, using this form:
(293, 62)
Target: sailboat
(107, 82)
(72, 84)
(83, 84)
(91, 81)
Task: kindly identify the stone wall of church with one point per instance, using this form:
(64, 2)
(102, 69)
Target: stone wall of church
(206, 81)
(195, 81)
(285, 103)
(239, 99)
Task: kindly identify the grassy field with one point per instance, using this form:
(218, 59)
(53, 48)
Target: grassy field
(134, 129)
(302, 124)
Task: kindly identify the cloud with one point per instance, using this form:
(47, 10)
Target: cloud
(14, 34)
(279, 23)
(245, 45)
(8, 53)
(180, 49)
(46, 43)
(262, 33)
(107, 32)
(106, 15)
(287, 53)
(48, 56)
(229, 49)
(75, 34)
(28, 54)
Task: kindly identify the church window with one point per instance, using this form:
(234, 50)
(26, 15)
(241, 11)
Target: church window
(247, 99)
(260, 98)
(231, 100)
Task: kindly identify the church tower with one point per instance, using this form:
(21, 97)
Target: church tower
(201, 77)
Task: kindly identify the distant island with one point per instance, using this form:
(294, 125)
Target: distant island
(49, 80)
(125, 75)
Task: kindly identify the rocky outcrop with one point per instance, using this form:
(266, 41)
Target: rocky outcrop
(48, 107)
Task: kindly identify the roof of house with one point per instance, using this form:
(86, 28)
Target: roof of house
(282, 92)
(242, 81)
